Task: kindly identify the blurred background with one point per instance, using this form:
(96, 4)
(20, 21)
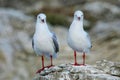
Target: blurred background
(17, 24)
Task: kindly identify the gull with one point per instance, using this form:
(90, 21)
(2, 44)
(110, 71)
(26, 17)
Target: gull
(78, 39)
(44, 42)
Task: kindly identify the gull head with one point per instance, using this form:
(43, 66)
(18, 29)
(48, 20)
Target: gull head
(41, 18)
(78, 15)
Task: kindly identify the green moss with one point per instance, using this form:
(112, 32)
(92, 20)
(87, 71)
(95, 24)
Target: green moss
(54, 18)
(57, 19)
(91, 19)
(2, 57)
(87, 28)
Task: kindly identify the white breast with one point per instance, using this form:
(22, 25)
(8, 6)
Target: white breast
(43, 43)
(78, 40)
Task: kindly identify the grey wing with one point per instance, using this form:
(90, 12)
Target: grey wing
(89, 40)
(33, 43)
(56, 46)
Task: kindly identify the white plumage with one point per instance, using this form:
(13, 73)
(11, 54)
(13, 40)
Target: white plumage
(78, 39)
(44, 42)
(43, 38)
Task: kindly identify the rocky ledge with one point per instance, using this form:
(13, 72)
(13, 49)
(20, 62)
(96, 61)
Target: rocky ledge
(102, 70)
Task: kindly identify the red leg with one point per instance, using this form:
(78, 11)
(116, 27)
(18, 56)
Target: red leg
(51, 60)
(75, 58)
(42, 62)
(51, 64)
(83, 58)
(42, 65)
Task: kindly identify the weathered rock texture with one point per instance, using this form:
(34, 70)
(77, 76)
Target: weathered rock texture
(17, 24)
(102, 70)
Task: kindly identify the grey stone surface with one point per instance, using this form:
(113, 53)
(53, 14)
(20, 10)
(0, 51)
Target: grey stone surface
(102, 70)
(17, 59)
(109, 67)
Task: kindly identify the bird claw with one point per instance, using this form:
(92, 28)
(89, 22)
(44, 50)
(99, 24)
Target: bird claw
(40, 70)
(82, 64)
(76, 64)
(44, 68)
(49, 66)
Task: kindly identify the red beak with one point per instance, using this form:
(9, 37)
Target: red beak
(78, 18)
(43, 20)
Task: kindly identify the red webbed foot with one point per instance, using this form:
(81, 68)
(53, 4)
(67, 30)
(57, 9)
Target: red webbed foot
(40, 70)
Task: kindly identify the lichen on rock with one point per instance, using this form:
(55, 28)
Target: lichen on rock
(102, 70)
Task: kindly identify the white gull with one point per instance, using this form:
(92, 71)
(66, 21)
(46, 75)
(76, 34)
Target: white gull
(78, 39)
(44, 42)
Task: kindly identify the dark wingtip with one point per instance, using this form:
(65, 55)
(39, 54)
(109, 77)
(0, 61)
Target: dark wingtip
(91, 46)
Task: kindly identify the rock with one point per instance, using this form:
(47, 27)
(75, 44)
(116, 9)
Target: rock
(85, 69)
(102, 9)
(101, 77)
(102, 70)
(17, 59)
(106, 30)
(71, 2)
(109, 67)
(95, 7)
(15, 39)
(11, 33)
